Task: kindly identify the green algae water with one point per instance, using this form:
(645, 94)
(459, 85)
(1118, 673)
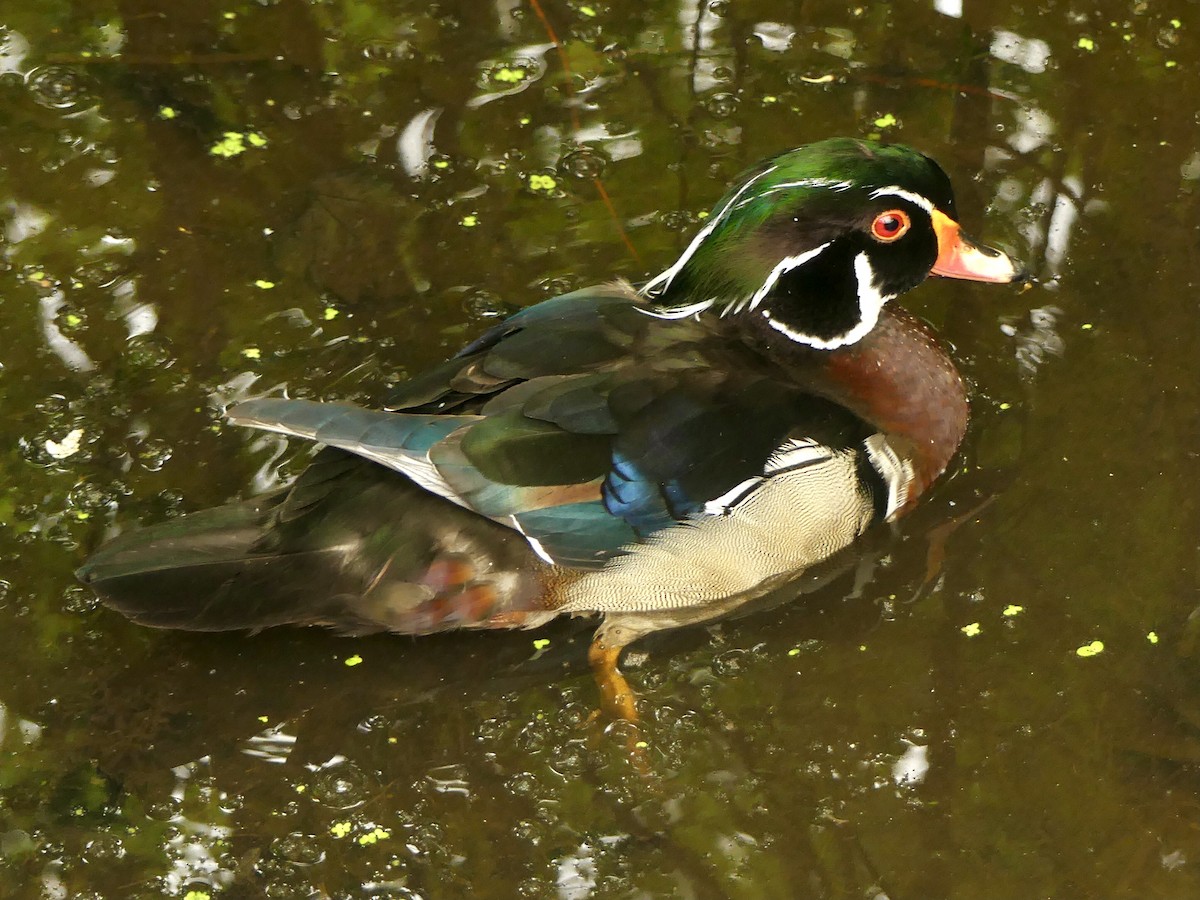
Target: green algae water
(205, 202)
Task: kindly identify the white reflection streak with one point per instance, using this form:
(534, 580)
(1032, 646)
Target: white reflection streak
(700, 26)
(24, 221)
(1031, 54)
(415, 144)
(576, 875)
(1034, 128)
(190, 846)
(13, 50)
(270, 746)
(912, 767)
(1058, 232)
(691, 19)
(1037, 342)
(534, 53)
(67, 350)
(616, 146)
(1032, 231)
(1190, 170)
(52, 883)
(507, 22)
(451, 779)
(336, 760)
(237, 389)
(1054, 242)
(951, 8)
(775, 36)
(140, 318)
(266, 477)
(28, 732)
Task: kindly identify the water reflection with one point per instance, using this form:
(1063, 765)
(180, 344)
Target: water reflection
(951, 8)
(1031, 54)
(23, 221)
(191, 845)
(912, 766)
(22, 731)
(71, 354)
(784, 744)
(415, 144)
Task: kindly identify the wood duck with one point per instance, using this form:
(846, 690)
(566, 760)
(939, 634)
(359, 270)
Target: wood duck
(658, 457)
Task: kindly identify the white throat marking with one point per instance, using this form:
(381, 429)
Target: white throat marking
(870, 304)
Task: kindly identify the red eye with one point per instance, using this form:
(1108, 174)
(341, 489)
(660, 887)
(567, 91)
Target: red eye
(891, 225)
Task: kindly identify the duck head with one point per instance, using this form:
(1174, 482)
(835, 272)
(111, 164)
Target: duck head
(816, 241)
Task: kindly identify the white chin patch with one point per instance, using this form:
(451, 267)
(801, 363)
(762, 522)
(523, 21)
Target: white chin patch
(870, 303)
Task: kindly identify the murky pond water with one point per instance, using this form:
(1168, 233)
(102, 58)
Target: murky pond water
(201, 202)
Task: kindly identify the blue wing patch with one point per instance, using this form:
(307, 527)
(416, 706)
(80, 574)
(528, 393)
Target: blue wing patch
(630, 496)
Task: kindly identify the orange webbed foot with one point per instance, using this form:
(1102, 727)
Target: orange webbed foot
(617, 699)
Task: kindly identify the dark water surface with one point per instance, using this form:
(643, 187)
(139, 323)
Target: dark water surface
(204, 201)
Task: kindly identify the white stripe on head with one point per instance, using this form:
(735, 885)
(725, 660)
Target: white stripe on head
(785, 265)
(804, 182)
(677, 312)
(895, 191)
(870, 304)
(663, 280)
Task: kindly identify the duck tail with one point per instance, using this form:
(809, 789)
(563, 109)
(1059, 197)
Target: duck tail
(350, 546)
(201, 572)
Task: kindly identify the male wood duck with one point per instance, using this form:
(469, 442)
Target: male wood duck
(658, 457)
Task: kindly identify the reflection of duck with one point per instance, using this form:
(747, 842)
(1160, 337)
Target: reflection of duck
(660, 458)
